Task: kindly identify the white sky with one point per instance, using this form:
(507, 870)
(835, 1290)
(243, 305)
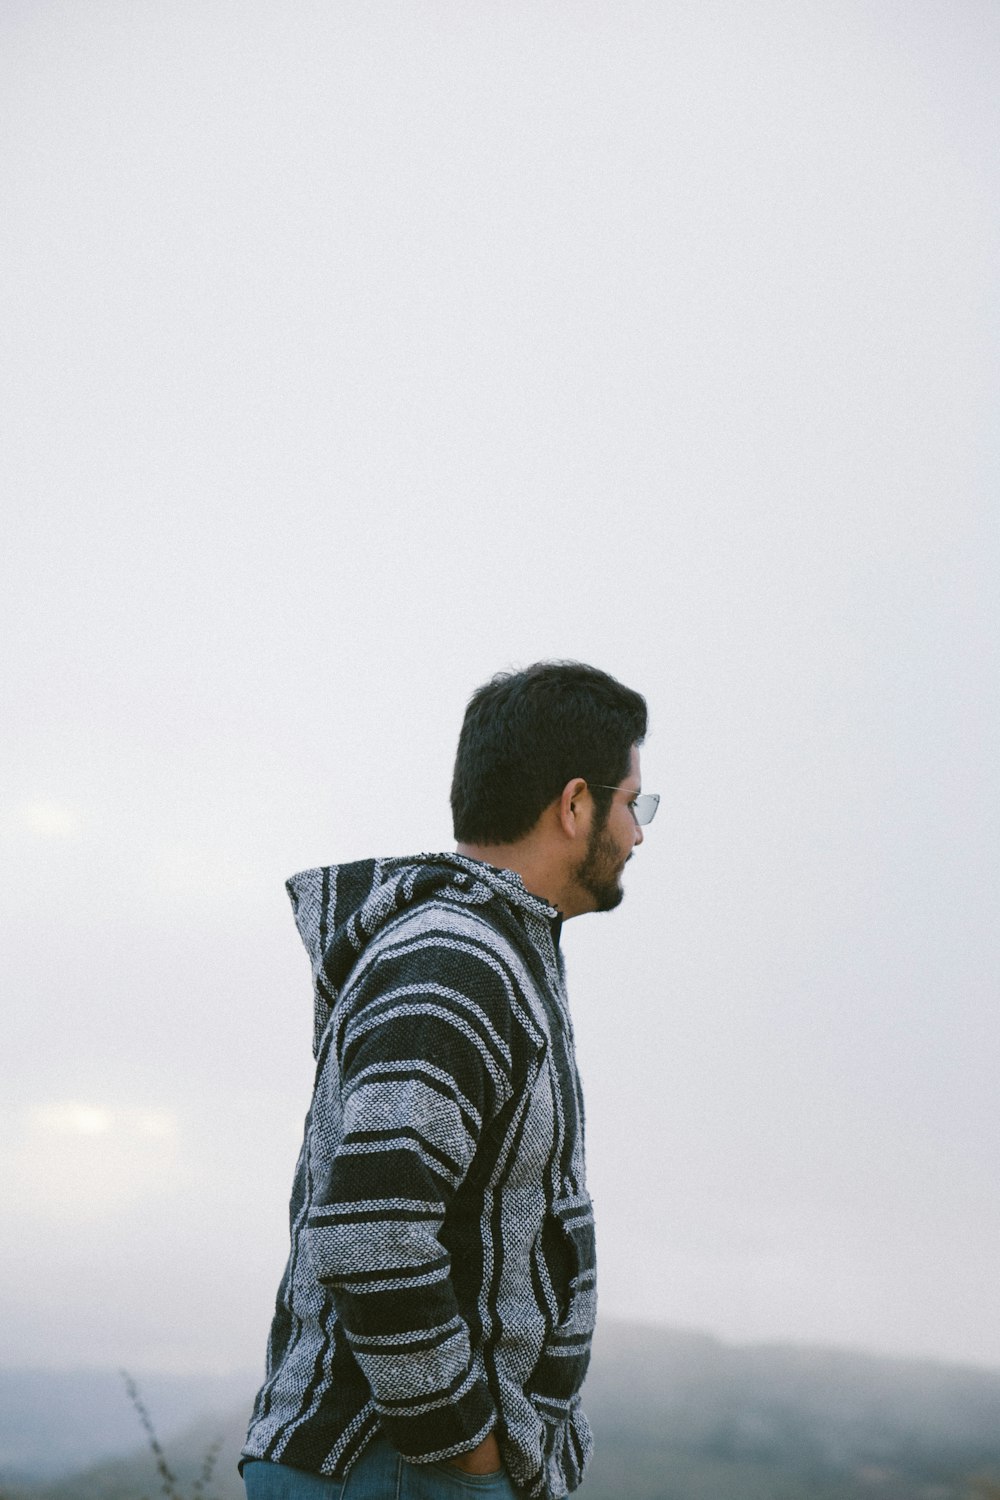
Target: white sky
(354, 351)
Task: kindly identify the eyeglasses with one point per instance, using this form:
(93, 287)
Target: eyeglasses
(643, 807)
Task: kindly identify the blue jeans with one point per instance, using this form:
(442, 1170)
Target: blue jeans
(379, 1474)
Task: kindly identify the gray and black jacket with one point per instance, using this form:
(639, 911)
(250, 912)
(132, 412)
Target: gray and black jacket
(441, 1275)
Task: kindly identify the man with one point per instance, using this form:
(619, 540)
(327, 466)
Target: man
(433, 1325)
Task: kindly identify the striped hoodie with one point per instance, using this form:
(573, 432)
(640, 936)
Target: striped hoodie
(440, 1281)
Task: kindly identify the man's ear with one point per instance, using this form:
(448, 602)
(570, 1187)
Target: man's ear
(574, 808)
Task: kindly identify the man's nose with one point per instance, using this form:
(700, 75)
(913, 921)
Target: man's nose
(639, 835)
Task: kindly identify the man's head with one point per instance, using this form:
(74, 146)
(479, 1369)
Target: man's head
(548, 762)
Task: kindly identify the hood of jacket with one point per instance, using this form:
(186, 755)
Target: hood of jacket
(339, 908)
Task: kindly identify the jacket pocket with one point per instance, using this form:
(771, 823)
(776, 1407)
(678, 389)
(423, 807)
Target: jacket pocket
(568, 1256)
(567, 1269)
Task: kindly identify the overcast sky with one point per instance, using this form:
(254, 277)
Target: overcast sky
(354, 351)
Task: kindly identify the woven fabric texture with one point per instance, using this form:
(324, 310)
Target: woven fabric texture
(441, 1279)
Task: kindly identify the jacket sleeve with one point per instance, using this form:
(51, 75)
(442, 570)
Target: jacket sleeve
(422, 1065)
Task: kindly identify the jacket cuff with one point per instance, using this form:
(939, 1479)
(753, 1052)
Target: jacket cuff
(424, 1436)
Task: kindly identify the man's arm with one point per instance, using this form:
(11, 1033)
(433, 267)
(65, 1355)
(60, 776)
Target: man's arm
(422, 1069)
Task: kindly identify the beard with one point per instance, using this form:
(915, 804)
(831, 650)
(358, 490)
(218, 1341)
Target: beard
(599, 872)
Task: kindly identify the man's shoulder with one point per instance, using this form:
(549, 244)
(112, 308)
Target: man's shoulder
(444, 945)
(450, 925)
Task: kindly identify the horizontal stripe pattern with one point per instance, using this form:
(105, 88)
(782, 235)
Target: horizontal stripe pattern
(440, 1278)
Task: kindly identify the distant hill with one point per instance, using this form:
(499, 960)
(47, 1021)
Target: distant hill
(682, 1416)
(54, 1422)
(676, 1415)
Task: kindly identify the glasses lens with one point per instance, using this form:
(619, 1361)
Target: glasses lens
(645, 806)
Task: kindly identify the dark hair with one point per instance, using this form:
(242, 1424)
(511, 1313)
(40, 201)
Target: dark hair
(526, 734)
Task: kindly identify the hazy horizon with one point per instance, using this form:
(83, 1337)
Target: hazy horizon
(754, 1424)
(252, 1370)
